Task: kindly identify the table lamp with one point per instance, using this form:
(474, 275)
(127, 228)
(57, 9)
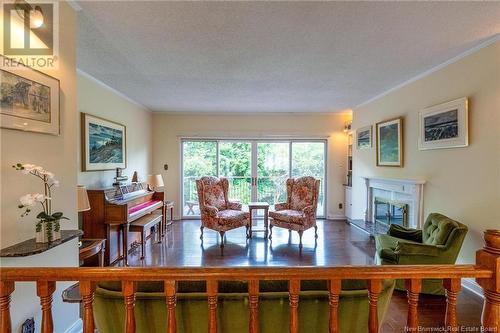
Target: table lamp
(83, 199)
(155, 181)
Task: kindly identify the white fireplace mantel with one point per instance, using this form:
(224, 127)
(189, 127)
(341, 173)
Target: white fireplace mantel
(409, 190)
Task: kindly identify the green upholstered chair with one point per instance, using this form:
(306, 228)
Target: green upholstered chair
(439, 242)
(232, 309)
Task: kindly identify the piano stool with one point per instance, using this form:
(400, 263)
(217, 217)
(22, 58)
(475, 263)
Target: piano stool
(144, 223)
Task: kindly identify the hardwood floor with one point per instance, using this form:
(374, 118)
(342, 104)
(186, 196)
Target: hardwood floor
(338, 244)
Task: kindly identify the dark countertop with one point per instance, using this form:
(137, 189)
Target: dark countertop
(30, 247)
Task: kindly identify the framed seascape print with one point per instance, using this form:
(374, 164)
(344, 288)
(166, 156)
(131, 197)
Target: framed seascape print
(364, 137)
(390, 142)
(103, 144)
(444, 125)
(29, 99)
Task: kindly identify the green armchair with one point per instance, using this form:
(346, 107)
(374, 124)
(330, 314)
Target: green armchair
(232, 310)
(439, 242)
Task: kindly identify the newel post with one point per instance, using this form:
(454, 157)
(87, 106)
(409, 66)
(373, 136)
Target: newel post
(489, 257)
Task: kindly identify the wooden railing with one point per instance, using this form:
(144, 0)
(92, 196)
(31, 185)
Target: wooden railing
(486, 271)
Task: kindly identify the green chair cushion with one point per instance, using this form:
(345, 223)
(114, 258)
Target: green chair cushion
(437, 230)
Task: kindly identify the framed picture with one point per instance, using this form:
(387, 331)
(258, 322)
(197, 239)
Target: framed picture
(390, 142)
(364, 137)
(444, 126)
(103, 144)
(29, 99)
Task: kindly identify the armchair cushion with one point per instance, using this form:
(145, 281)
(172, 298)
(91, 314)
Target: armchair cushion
(233, 217)
(405, 233)
(437, 229)
(234, 205)
(414, 249)
(214, 196)
(302, 194)
(289, 216)
(281, 206)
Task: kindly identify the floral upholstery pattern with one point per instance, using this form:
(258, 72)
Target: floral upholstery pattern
(299, 212)
(217, 212)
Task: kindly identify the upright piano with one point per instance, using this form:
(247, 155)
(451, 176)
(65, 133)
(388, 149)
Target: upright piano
(111, 212)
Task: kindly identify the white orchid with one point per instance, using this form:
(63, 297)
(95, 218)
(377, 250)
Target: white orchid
(27, 200)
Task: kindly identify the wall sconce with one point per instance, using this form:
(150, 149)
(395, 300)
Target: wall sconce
(34, 14)
(347, 127)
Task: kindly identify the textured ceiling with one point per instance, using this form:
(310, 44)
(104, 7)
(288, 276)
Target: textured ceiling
(271, 56)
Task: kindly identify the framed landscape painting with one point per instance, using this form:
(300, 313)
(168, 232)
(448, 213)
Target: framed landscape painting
(29, 99)
(364, 137)
(103, 144)
(390, 143)
(444, 125)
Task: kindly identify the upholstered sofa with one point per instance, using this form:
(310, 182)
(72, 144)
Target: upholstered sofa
(192, 307)
(439, 242)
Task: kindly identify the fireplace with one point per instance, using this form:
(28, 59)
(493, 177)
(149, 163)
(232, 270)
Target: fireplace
(389, 212)
(399, 201)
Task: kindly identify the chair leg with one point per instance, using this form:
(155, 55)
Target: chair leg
(201, 229)
(315, 231)
(270, 231)
(300, 238)
(142, 244)
(222, 238)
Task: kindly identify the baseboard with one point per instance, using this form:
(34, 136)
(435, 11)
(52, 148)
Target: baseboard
(77, 327)
(470, 284)
(336, 217)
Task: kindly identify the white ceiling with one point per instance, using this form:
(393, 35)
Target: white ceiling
(271, 56)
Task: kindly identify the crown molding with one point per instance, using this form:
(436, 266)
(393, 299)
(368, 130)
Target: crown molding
(113, 90)
(434, 69)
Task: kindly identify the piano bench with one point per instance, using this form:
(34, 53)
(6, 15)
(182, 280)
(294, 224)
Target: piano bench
(145, 223)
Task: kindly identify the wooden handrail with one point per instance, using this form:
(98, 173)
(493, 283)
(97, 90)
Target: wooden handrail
(486, 271)
(244, 273)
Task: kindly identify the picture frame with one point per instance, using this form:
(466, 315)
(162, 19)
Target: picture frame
(390, 145)
(104, 144)
(29, 99)
(445, 125)
(364, 138)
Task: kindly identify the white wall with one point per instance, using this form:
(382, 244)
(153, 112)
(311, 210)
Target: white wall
(57, 154)
(99, 100)
(169, 128)
(462, 183)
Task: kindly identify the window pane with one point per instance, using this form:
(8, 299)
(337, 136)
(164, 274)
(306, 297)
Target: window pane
(273, 165)
(235, 164)
(199, 159)
(308, 159)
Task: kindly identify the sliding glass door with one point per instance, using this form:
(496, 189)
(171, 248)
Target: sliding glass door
(257, 170)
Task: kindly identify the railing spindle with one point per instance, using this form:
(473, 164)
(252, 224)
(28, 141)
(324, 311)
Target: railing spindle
(374, 289)
(452, 287)
(293, 295)
(253, 295)
(413, 287)
(44, 290)
(87, 289)
(128, 288)
(170, 293)
(6, 289)
(212, 305)
(333, 297)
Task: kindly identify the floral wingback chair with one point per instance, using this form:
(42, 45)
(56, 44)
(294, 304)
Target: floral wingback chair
(217, 212)
(298, 213)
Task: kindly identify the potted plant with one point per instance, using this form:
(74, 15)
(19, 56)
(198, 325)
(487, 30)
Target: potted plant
(48, 226)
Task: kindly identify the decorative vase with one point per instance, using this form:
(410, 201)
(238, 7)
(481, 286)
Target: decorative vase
(46, 232)
(57, 230)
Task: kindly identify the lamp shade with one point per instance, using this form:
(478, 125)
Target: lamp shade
(83, 199)
(155, 180)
